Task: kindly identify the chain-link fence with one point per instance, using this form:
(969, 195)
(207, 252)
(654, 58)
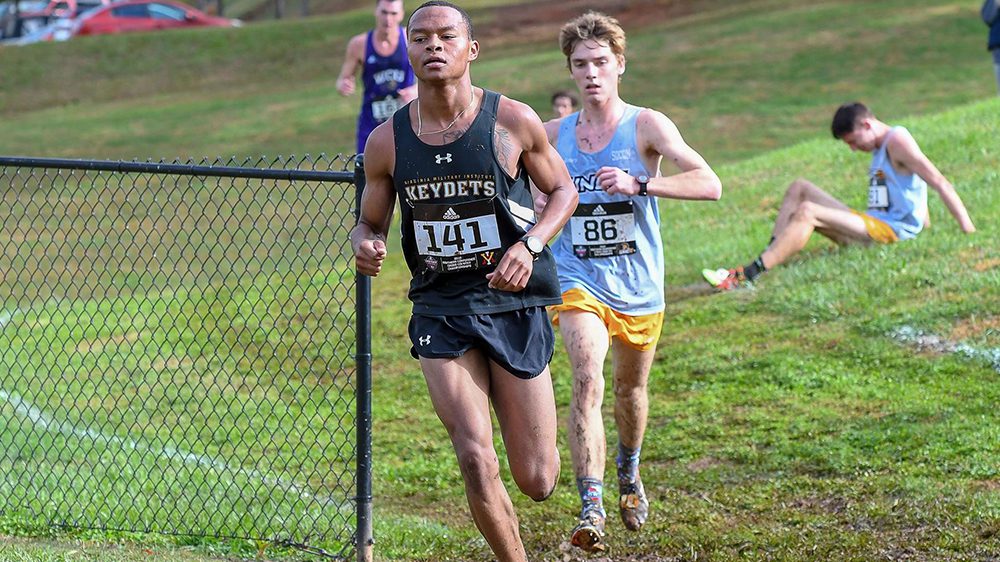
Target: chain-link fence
(177, 348)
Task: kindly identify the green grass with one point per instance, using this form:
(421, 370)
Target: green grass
(738, 79)
(784, 420)
(176, 358)
(786, 423)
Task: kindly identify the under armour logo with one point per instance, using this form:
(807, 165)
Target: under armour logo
(425, 340)
(446, 158)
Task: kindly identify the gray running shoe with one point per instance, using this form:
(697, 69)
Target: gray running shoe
(633, 504)
(588, 535)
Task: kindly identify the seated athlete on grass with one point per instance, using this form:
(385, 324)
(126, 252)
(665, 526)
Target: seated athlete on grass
(897, 199)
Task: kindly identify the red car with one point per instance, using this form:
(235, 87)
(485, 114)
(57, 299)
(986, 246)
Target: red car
(146, 15)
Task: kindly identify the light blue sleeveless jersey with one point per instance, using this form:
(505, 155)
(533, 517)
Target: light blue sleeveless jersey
(906, 203)
(611, 247)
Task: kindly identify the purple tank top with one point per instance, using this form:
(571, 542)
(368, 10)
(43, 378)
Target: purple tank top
(383, 78)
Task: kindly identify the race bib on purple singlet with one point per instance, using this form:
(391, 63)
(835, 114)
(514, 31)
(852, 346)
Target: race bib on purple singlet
(383, 109)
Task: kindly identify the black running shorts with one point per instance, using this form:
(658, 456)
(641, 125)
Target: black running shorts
(520, 341)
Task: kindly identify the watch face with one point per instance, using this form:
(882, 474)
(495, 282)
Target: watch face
(534, 245)
(642, 178)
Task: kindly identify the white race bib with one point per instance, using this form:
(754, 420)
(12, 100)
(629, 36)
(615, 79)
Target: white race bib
(878, 193)
(878, 197)
(461, 237)
(603, 230)
(384, 108)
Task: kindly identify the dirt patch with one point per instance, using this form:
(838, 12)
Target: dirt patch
(825, 504)
(990, 485)
(704, 463)
(986, 265)
(575, 555)
(974, 327)
(677, 293)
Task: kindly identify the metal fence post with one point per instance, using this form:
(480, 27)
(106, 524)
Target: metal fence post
(365, 540)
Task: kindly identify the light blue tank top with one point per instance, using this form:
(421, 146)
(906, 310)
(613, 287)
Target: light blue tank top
(897, 199)
(611, 247)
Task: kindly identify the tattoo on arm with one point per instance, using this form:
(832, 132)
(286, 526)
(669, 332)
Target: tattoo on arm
(504, 148)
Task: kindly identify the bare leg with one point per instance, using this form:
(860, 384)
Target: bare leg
(798, 192)
(586, 339)
(631, 370)
(459, 389)
(841, 226)
(526, 411)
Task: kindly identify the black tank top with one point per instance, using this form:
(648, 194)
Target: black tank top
(460, 212)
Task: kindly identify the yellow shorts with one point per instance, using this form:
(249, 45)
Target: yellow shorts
(638, 332)
(877, 230)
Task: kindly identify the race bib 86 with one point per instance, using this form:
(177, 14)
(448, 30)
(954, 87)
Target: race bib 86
(603, 229)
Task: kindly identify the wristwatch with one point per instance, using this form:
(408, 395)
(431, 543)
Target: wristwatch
(643, 180)
(534, 245)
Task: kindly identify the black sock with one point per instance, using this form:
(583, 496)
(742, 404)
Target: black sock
(754, 269)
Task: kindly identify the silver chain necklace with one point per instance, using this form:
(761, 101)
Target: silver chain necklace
(420, 121)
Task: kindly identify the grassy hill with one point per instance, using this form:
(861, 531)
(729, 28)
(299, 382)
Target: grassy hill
(794, 418)
(739, 79)
(800, 420)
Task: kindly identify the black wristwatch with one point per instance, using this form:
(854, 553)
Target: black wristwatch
(534, 245)
(643, 180)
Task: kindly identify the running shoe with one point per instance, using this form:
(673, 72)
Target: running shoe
(726, 279)
(588, 535)
(632, 503)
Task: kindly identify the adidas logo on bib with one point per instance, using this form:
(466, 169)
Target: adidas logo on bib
(598, 211)
(450, 215)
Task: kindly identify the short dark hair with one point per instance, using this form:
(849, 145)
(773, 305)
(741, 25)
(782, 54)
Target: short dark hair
(444, 4)
(847, 118)
(574, 101)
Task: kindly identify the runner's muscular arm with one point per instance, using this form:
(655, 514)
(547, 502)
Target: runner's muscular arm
(657, 135)
(905, 153)
(352, 61)
(521, 136)
(377, 202)
(544, 166)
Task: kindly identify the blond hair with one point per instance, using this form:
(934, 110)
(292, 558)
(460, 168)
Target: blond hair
(593, 26)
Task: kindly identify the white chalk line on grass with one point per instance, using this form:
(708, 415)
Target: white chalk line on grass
(923, 340)
(40, 419)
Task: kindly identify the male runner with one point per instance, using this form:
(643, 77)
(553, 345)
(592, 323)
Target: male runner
(458, 158)
(897, 199)
(564, 102)
(610, 259)
(386, 74)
